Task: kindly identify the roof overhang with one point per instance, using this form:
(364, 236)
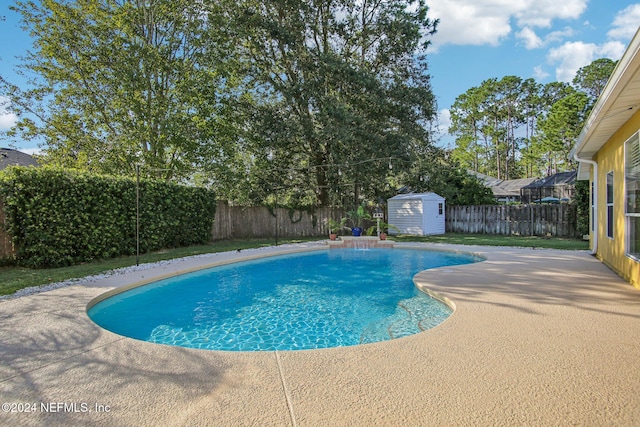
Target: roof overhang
(619, 100)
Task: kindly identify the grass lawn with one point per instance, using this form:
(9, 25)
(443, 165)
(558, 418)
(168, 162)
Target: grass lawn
(496, 240)
(15, 278)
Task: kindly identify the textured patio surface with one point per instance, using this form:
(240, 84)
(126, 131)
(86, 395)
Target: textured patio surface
(538, 338)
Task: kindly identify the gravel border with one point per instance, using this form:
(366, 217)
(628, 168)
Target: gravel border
(32, 290)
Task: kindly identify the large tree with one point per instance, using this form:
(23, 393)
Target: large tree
(120, 83)
(467, 117)
(346, 101)
(307, 99)
(592, 78)
(560, 130)
(531, 99)
(486, 120)
(510, 128)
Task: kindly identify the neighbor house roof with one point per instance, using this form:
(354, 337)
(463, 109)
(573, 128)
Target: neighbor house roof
(500, 187)
(10, 157)
(487, 180)
(619, 100)
(511, 187)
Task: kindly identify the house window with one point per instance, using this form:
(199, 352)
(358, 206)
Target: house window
(632, 195)
(440, 208)
(610, 205)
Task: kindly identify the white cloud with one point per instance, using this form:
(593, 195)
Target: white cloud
(572, 56)
(531, 39)
(539, 73)
(442, 136)
(467, 22)
(487, 22)
(612, 50)
(7, 119)
(556, 36)
(31, 151)
(444, 120)
(625, 23)
(540, 13)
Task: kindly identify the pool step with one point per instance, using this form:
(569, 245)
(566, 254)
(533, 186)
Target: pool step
(409, 318)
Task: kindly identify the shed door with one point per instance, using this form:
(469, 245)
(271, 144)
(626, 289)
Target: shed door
(434, 217)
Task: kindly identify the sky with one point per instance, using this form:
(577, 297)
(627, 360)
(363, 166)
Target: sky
(548, 40)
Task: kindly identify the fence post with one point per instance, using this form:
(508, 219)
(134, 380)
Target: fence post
(531, 223)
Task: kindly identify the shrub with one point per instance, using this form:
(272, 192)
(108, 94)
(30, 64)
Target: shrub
(58, 217)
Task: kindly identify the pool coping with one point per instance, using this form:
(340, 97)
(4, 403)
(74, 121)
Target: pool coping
(538, 337)
(256, 256)
(389, 244)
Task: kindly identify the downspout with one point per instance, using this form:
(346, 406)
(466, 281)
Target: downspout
(594, 249)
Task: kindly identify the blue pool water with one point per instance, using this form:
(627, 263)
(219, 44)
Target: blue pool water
(308, 300)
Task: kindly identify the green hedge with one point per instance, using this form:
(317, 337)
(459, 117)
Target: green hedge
(58, 218)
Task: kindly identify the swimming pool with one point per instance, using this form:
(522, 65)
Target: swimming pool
(308, 300)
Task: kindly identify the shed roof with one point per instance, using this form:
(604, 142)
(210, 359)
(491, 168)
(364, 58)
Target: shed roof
(420, 196)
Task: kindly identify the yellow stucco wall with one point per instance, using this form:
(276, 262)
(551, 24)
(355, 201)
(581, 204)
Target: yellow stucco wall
(611, 158)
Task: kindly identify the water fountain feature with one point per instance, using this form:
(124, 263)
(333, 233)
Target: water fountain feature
(360, 242)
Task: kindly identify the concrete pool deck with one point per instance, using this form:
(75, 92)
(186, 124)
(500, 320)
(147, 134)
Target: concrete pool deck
(538, 337)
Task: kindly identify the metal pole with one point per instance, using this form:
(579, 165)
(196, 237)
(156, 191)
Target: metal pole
(276, 212)
(137, 215)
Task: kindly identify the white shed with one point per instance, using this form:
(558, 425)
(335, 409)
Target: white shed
(419, 214)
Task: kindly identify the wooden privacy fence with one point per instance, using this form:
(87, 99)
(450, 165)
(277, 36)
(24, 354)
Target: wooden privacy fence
(524, 220)
(240, 222)
(237, 222)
